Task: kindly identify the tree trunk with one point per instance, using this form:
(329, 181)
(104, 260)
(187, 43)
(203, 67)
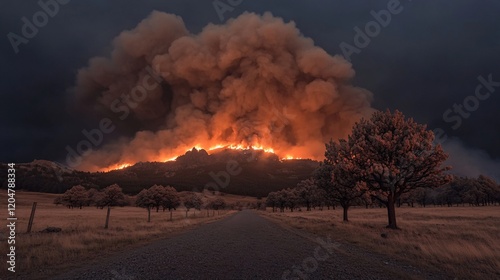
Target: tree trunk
(345, 219)
(391, 212)
(170, 215)
(149, 214)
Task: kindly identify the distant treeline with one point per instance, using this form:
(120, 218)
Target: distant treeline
(461, 191)
(156, 197)
(256, 179)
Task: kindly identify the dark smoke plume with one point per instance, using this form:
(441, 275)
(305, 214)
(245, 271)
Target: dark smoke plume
(254, 81)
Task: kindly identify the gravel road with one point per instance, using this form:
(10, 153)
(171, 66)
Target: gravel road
(242, 246)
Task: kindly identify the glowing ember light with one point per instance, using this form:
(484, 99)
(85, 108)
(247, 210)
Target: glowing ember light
(241, 147)
(117, 167)
(124, 165)
(288, 157)
(170, 156)
(216, 147)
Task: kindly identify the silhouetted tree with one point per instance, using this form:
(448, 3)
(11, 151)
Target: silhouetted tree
(75, 197)
(92, 197)
(216, 204)
(144, 200)
(307, 191)
(490, 189)
(113, 196)
(158, 193)
(171, 200)
(345, 186)
(272, 200)
(394, 155)
(192, 201)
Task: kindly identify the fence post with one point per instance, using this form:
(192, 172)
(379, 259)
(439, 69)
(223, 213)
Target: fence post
(32, 217)
(107, 218)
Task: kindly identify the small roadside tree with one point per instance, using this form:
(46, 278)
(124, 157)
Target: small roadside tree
(308, 193)
(323, 179)
(91, 195)
(75, 197)
(113, 196)
(192, 201)
(345, 186)
(144, 200)
(217, 204)
(157, 193)
(170, 200)
(282, 200)
(293, 199)
(394, 155)
(272, 200)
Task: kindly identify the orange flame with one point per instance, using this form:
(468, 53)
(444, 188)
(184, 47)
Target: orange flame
(117, 166)
(173, 156)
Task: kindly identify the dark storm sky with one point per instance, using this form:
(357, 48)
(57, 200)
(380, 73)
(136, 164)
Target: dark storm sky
(427, 59)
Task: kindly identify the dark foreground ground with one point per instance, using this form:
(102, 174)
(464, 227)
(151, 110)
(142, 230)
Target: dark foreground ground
(244, 246)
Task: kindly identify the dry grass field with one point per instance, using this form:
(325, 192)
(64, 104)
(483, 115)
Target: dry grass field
(463, 241)
(83, 236)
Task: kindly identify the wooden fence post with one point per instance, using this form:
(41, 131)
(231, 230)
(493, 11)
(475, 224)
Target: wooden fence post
(107, 218)
(32, 217)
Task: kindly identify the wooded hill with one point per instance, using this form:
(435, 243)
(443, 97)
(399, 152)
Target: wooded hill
(260, 174)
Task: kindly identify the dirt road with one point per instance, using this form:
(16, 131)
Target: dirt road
(242, 246)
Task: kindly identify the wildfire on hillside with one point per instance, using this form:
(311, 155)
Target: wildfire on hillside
(255, 82)
(239, 147)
